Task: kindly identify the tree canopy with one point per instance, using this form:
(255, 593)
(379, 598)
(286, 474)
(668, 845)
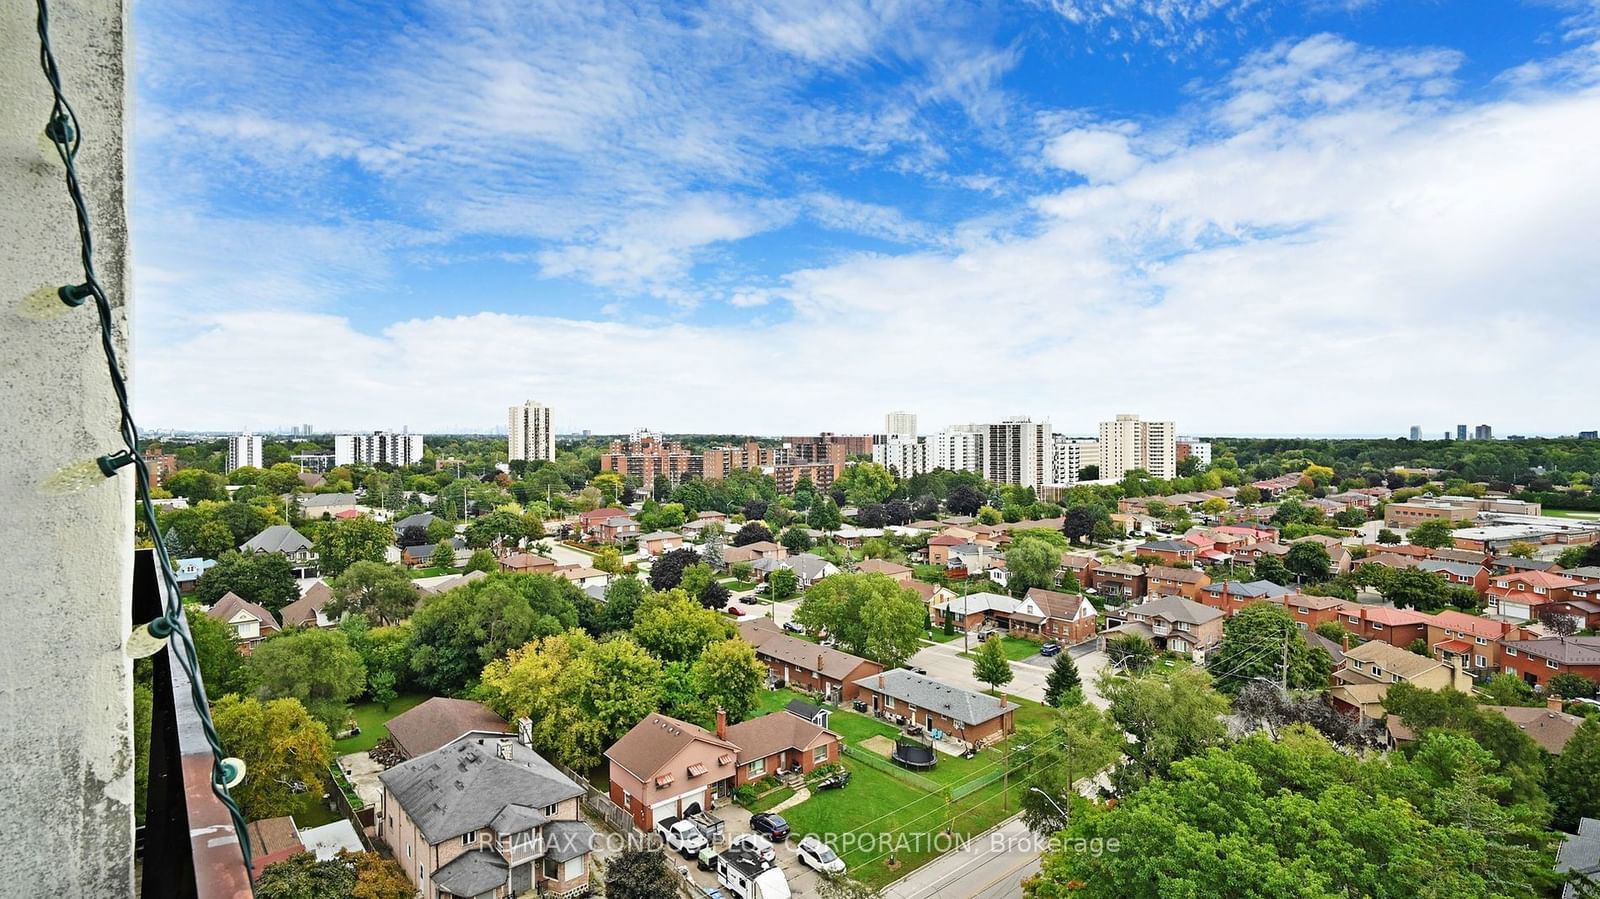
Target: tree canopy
(454, 634)
(383, 594)
(281, 746)
(344, 542)
(315, 666)
(263, 578)
(870, 615)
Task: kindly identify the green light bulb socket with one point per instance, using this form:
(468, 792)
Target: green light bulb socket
(75, 294)
(110, 463)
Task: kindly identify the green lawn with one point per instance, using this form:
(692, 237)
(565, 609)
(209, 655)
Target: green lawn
(736, 585)
(1571, 513)
(371, 718)
(311, 811)
(939, 636)
(770, 800)
(1016, 648)
(431, 572)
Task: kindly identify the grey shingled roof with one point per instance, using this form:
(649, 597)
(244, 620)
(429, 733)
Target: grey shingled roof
(464, 786)
(1169, 546)
(311, 500)
(564, 840)
(471, 873)
(279, 538)
(1176, 608)
(1249, 589)
(1580, 852)
(928, 694)
(1459, 569)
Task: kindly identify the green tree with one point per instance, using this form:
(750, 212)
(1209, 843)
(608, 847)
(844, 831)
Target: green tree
(866, 482)
(639, 874)
(623, 596)
(1521, 549)
(1433, 533)
(1414, 588)
(281, 745)
(301, 876)
(824, 515)
(444, 556)
(783, 584)
(1570, 685)
(989, 515)
(696, 578)
(1170, 718)
(386, 654)
(498, 528)
(263, 578)
(484, 561)
(1387, 536)
(454, 634)
(1062, 687)
(795, 540)
(383, 594)
(667, 570)
(1073, 745)
(1031, 563)
(990, 665)
(609, 560)
(1238, 822)
(1271, 568)
(1575, 777)
(677, 628)
(217, 648)
(581, 694)
(1254, 644)
(1308, 560)
(316, 667)
(195, 485)
(869, 614)
(347, 541)
(729, 676)
(1130, 651)
(1506, 688)
(143, 715)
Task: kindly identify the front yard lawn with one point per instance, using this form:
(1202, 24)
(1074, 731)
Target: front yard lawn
(770, 800)
(371, 718)
(737, 585)
(1016, 648)
(939, 636)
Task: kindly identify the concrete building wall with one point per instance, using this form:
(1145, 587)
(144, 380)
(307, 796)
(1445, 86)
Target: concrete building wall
(66, 813)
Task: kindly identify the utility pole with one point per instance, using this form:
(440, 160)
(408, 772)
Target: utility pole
(1283, 666)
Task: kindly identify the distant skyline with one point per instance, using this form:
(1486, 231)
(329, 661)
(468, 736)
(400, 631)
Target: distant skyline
(735, 215)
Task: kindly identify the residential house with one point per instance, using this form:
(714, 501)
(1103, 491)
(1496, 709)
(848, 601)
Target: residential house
(1080, 565)
(878, 566)
(440, 583)
(1368, 670)
(421, 555)
(806, 665)
(1520, 594)
(1469, 639)
(1038, 615)
(666, 768)
(932, 595)
(1172, 623)
(613, 531)
(1119, 582)
(778, 741)
(761, 550)
(1231, 596)
(1257, 533)
(1537, 660)
(419, 520)
(1548, 726)
(1252, 552)
(308, 610)
(526, 563)
(251, 623)
(1579, 854)
(1582, 604)
(1069, 619)
(595, 517)
(976, 718)
(288, 542)
(1310, 611)
(582, 575)
(807, 567)
(1459, 574)
(1513, 564)
(1393, 560)
(1159, 580)
(1384, 624)
(189, 571)
(1171, 552)
(485, 816)
(328, 505)
(1338, 554)
(939, 548)
(440, 721)
(657, 542)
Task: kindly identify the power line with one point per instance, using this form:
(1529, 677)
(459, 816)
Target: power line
(66, 135)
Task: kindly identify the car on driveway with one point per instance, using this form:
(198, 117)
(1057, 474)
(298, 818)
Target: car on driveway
(1050, 649)
(771, 826)
(735, 611)
(793, 628)
(758, 844)
(816, 855)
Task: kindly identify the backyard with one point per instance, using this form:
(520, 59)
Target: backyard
(371, 717)
(1016, 648)
(887, 807)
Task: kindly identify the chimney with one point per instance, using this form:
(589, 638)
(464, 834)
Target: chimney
(1345, 641)
(525, 732)
(1554, 703)
(722, 724)
(819, 663)
(504, 749)
(880, 680)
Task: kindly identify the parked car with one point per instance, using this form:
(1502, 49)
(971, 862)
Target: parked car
(770, 826)
(736, 611)
(915, 670)
(816, 855)
(1050, 649)
(681, 836)
(984, 635)
(793, 628)
(758, 844)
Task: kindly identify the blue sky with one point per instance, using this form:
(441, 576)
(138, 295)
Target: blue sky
(1246, 216)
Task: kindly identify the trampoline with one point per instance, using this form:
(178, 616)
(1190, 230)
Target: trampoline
(914, 754)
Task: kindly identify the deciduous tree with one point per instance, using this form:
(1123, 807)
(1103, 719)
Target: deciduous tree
(347, 541)
(383, 594)
(677, 628)
(263, 578)
(282, 746)
(1308, 560)
(639, 874)
(667, 570)
(456, 632)
(869, 614)
(1255, 643)
(314, 666)
(990, 665)
(729, 676)
(1433, 533)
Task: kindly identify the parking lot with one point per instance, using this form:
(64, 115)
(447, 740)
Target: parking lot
(736, 821)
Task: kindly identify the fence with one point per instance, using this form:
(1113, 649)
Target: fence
(600, 804)
(873, 760)
(350, 804)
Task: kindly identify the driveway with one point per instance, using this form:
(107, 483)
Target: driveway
(362, 772)
(736, 821)
(566, 555)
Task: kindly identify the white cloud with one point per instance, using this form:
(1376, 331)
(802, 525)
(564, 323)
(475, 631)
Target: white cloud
(1098, 155)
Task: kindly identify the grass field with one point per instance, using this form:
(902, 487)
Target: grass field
(371, 718)
(430, 572)
(1572, 513)
(1016, 648)
(770, 800)
(311, 811)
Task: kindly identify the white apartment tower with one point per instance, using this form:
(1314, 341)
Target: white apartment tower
(399, 449)
(244, 450)
(905, 456)
(530, 434)
(955, 449)
(1018, 451)
(1073, 455)
(1128, 443)
(903, 424)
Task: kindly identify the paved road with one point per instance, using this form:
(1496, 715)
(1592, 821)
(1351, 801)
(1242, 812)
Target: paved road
(991, 866)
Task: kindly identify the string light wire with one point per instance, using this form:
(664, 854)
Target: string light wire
(64, 132)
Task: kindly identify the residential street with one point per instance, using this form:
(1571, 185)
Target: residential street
(992, 866)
